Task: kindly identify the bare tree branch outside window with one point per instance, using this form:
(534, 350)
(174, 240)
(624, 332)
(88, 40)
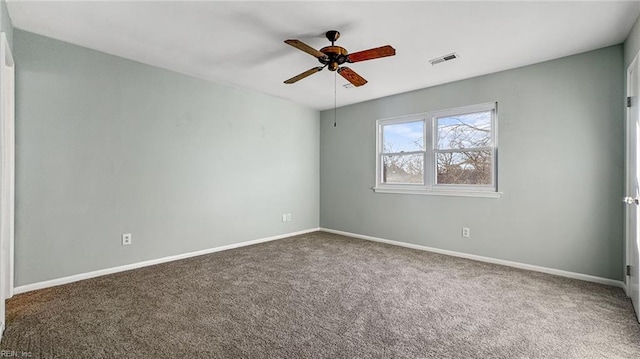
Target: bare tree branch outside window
(463, 154)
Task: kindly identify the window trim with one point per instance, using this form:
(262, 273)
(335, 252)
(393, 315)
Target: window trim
(430, 186)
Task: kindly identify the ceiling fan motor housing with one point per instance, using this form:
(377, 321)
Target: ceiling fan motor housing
(336, 56)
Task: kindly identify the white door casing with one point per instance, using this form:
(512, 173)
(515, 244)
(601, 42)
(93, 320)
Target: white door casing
(7, 174)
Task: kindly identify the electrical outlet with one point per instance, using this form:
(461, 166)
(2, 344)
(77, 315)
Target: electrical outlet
(466, 232)
(284, 217)
(126, 239)
(288, 217)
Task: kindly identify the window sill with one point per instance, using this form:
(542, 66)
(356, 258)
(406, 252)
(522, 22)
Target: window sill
(454, 193)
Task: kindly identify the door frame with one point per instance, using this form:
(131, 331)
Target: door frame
(7, 176)
(628, 133)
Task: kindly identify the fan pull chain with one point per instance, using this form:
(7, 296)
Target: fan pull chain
(335, 98)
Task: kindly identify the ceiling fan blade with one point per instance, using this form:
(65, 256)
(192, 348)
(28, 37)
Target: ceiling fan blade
(304, 74)
(306, 48)
(378, 52)
(352, 76)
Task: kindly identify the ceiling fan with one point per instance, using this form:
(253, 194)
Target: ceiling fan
(333, 56)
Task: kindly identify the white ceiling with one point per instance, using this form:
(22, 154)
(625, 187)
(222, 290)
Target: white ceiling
(241, 43)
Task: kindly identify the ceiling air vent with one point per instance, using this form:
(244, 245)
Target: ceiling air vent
(444, 58)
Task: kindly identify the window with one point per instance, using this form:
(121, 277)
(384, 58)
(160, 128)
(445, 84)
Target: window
(445, 152)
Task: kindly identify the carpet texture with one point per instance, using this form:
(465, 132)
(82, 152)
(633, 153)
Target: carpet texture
(322, 295)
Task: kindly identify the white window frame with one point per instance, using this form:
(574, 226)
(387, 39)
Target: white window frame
(430, 186)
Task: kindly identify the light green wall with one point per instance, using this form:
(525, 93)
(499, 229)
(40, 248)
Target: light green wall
(107, 146)
(560, 168)
(632, 44)
(5, 22)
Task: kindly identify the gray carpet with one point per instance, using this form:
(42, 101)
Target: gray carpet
(324, 296)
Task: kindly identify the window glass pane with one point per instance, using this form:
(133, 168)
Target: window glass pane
(466, 168)
(403, 169)
(403, 137)
(464, 131)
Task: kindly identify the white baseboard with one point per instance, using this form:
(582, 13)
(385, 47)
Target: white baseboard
(101, 272)
(558, 272)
